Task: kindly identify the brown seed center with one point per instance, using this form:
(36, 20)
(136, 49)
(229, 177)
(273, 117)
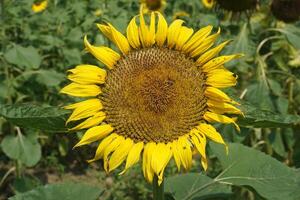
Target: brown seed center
(154, 94)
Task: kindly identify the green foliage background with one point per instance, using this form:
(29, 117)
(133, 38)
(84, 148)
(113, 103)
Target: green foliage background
(38, 48)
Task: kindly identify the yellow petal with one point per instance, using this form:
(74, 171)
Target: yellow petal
(212, 134)
(197, 39)
(221, 78)
(87, 74)
(79, 90)
(119, 39)
(173, 32)
(147, 157)
(185, 152)
(162, 30)
(86, 103)
(219, 61)
(217, 95)
(111, 148)
(120, 154)
(104, 54)
(133, 155)
(38, 7)
(164, 159)
(161, 156)
(199, 141)
(106, 31)
(147, 36)
(91, 121)
(207, 56)
(152, 28)
(213, 117)
(206, 44)
(221, 107)
(95, 133)
(176, 154)
(102, 146)
(198, 144)
(208, 3)
(133, 34)
(84, 109)
(184, 34)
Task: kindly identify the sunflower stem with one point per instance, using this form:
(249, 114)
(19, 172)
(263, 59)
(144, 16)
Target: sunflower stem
(158, 190)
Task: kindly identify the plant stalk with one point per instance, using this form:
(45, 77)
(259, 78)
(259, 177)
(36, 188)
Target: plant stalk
(158, 190)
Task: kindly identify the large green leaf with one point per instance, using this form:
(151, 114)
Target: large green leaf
(62, 191)
(256, 117)
(46, 118)
(270, 178)
(242, 43)
(49, 77)
(293, 35)
(23, 148)
(195, 186)
(23, 56)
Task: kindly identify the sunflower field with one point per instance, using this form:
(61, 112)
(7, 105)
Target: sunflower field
(150, 99)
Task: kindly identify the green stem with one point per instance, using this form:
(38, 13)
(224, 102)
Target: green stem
(158, 190)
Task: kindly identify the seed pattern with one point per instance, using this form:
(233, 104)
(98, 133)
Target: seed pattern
(154, 94)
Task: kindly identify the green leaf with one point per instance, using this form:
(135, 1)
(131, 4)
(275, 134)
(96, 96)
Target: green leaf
(24, 184)
(259, 95)
(61, 191)
(22, 148)
(276, 141)
(195, 186)
(259, 118)
(242, 43)
(248, 167)
(45, 118)
(27, 57)
(293, 35)
(49, 77)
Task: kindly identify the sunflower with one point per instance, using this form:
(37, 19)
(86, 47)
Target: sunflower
(153, 5)
(39, 6)
(156, 98)
(231, 5)
(208, 3)
(286, 10)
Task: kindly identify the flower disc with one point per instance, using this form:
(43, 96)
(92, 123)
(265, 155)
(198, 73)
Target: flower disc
(154, 94)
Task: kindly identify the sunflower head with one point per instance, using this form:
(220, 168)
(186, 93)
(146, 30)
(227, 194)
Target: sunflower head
(153, 5)
(39, 6)
(286, 10)
(208, 3)
(237, 5)
(157, 96)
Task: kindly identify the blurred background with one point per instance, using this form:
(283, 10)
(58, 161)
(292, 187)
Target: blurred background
(41, 40)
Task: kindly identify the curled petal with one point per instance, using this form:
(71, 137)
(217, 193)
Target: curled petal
(104, 54)
(162, 30)
(133, 34)
(213, 117)
(173, 32)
